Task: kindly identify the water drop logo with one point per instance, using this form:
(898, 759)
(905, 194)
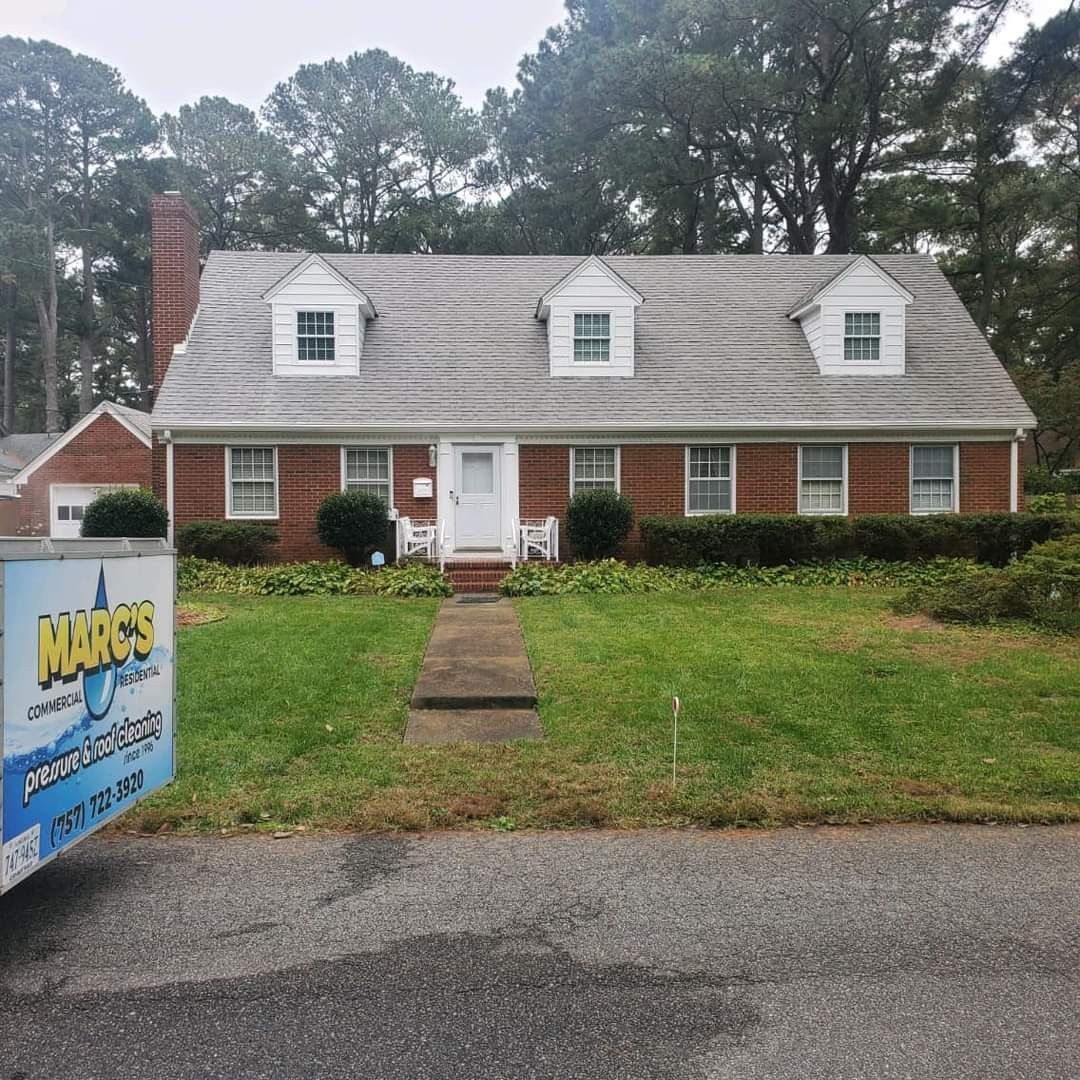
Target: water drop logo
(99, 685)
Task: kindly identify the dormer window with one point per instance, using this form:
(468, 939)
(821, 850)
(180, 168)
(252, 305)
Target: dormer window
(862, 335)
(592, 337)
(315, 336)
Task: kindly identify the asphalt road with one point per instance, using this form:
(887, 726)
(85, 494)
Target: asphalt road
(882, 953)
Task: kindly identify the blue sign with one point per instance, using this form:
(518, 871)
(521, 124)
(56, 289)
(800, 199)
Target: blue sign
(87, 725)
(377, 558)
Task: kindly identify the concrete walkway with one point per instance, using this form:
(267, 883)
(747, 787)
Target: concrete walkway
(475, 684)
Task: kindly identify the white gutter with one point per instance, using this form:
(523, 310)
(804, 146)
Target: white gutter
(1014, 470)
(170, 500)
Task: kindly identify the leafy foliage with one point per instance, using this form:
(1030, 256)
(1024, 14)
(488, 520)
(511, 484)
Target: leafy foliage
(776, 539)
(238, 543)
(1042, 587)
(352, 522)
(125, 512)
(310, 579)
(597, 522)
(610, 576)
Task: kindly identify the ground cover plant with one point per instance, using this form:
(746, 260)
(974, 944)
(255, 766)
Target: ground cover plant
(799, 704)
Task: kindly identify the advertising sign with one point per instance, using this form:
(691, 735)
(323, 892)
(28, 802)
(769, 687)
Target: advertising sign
(87, 723)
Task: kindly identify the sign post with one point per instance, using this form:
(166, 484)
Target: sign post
(87, 709)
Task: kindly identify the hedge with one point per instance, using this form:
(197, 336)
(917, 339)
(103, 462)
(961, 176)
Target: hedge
(779, 539)
(238, 543)
(133, 512)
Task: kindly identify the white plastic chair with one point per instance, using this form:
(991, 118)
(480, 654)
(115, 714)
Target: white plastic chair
(420, 537)
(538, 538)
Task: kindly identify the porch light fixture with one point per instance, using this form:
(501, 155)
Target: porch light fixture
(431, 455)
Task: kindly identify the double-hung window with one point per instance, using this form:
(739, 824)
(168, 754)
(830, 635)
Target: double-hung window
(709, 481)
(933, 479)
(862, 335)
(594, 467)
(252, 481)
(368, 469)
(315, 335)
(592, 338)
(823, 479)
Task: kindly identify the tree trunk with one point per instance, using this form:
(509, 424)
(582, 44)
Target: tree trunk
(757, 228)
(45, 303)
(87, 333)
(143, 349)
(11, 298)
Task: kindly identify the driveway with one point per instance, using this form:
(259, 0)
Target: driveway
(943, 952)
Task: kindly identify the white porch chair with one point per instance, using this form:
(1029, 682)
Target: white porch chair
(538, 538)
(418, 536)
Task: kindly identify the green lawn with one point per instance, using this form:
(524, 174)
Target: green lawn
(799, 704)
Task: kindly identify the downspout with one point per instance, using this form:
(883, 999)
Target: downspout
(1014, 470)
(170, 498)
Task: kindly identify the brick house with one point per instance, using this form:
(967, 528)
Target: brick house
(479, 391)
(46, 480)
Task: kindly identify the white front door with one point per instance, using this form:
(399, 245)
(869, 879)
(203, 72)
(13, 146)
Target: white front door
(67, 503)
(476, 498)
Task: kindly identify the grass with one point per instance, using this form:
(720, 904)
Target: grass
(799, 704)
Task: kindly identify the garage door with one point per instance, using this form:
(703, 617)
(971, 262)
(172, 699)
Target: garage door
(67, 503)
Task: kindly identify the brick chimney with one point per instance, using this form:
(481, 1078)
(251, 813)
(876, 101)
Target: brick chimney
(174, 248)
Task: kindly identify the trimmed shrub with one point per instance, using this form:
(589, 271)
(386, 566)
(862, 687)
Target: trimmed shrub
(237, 543)
(1039, 480)
(310, 579)
(352, 522)
(597, 522)
(132, 512)
(778, 539)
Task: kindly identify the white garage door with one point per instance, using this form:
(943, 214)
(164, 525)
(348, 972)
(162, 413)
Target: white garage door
(67, 502)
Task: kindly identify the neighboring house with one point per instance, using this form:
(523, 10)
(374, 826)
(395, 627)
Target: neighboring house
(478, 391)
(46, 481)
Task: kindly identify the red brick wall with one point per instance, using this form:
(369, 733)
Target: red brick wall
(651, 475)
(984, 476)
(306, 475)
(105, 453)
(410, 463)
(174, 260)
(766, 478)
(878, 478)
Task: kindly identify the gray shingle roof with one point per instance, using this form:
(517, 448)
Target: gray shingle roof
(19, 450)
(456, 345)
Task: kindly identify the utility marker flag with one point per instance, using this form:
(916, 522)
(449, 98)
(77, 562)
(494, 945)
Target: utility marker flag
(676, 705)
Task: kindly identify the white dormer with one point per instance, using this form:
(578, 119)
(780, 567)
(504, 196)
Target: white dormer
(590, 321)
(854, 323)
(318, 318)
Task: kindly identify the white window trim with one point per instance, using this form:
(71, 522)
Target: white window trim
(297, 310)
(844, 486)
(598, 446)
(229, 515)
(861, 337)
(687, 512)
(955, 508)
(609, 312)
(389, 465)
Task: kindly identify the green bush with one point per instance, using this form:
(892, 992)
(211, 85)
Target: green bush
(778, 539)
(612, 577)
(238, 543)
(1042, 587)
(597, 522)
(1039, 480)
(1049, 576)
(352, 522)
(310, 579)
(125, 512)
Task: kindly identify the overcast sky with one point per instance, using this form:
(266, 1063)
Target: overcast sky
(174, 51)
